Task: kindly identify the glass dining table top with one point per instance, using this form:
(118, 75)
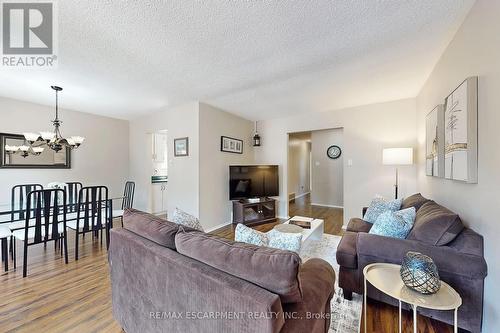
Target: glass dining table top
(6, 208)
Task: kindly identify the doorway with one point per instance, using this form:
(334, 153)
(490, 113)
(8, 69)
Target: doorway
(315, 176)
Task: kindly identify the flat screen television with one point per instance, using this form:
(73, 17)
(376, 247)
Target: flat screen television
(253, 181)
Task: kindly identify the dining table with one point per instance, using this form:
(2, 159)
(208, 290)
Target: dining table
(9, 210)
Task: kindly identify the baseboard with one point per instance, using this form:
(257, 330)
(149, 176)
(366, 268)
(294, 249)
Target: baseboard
(323, 205)
(299, 196)
(217, 227)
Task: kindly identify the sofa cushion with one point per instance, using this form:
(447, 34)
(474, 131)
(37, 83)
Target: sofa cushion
(151, 227)
(394, 224)
(272, 269)
(435, 225)
(346, 250)
(186, 219)
(358, 225)
(380, 205)
(248, 235)
(285, 240)
(415, 200)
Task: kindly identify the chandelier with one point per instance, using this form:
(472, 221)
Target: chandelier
(54, 140)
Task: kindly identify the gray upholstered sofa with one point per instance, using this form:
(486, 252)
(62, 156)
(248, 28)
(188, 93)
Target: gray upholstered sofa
(167, 278)
(438, 233)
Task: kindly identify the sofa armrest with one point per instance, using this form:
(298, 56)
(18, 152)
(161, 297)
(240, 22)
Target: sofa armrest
(374, 248)
(317, 281)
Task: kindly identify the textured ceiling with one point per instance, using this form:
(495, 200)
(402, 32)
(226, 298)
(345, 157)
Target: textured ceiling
(258, 59)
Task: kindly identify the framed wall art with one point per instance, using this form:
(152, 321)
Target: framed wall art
(181, 147)
(434, 142)
(231, 145)
(461, 132)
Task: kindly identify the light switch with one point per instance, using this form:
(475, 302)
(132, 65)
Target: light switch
(349, 162)
(316, 163)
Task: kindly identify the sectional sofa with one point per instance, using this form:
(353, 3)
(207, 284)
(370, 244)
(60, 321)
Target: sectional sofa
(168, 278)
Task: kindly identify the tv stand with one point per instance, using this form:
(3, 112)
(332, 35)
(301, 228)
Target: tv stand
(254, 211)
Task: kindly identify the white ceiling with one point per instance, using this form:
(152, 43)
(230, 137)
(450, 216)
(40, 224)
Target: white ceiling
(258, 59)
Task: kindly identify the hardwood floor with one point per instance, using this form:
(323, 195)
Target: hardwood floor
(56, 297)
(77, 297)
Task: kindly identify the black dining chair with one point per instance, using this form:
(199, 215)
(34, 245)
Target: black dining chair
(47, 209)
(72, 190)
(93, 211)
(128, 200)
(18, 200)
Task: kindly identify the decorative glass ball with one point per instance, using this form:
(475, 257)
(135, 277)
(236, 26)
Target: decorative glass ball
(419, 273)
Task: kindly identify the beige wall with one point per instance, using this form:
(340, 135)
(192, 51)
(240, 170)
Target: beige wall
(475, 50)
(299, 173)
(183, 172)
(367, 129)
(198, 183)
(327, 173)
(215, 207)
(101, 160)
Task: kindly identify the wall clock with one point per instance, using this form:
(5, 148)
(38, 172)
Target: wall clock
(334, 152)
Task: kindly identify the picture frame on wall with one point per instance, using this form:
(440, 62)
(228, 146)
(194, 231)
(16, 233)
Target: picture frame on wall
(461, 132)
(231, 145)
(181, 147)
(434, 142)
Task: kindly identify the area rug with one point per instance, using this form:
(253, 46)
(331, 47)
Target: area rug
(346, 315)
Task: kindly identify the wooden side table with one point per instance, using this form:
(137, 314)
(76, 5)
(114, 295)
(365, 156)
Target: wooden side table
(386, 278)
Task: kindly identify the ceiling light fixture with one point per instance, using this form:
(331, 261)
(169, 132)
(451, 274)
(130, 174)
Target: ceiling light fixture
(256, 137)
(54, 140)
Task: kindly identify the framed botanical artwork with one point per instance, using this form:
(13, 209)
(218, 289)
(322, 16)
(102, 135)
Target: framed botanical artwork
(460, 123)
(181, 147)
(231, 145)
(434, 142)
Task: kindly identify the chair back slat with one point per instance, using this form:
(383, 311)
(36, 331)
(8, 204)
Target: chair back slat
(91, 202)
(72, 190)
(128, 195)
(44, 207)
(19, 195)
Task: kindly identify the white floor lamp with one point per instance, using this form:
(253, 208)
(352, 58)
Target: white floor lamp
(397, 157)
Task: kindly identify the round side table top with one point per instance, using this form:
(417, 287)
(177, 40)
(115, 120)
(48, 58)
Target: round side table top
(288, 228)
(386, 278)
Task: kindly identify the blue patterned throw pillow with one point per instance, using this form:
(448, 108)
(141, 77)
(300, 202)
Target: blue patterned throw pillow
(378, 206)
(394, 224)
(285, 240)
(248, 235)
(186, 219)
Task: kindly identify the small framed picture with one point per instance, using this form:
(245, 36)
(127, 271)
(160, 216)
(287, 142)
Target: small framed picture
(231, 145)
(181, 147)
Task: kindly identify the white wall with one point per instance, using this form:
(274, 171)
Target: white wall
(367, 130)
(299, 168)
(475, 50)
(183, 172)
(327, 173)
(101, 160)
(215, 207)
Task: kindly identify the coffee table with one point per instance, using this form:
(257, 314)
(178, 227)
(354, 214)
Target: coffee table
(386, 278)
(308, 235)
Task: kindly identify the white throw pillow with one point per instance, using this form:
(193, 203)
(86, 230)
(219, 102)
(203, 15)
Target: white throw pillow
(183, 218)
(285, 240)
(248, 235)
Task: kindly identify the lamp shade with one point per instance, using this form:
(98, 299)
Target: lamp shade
(397, 156)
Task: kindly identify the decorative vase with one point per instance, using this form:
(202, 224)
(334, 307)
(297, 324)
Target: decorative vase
(419, 273)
